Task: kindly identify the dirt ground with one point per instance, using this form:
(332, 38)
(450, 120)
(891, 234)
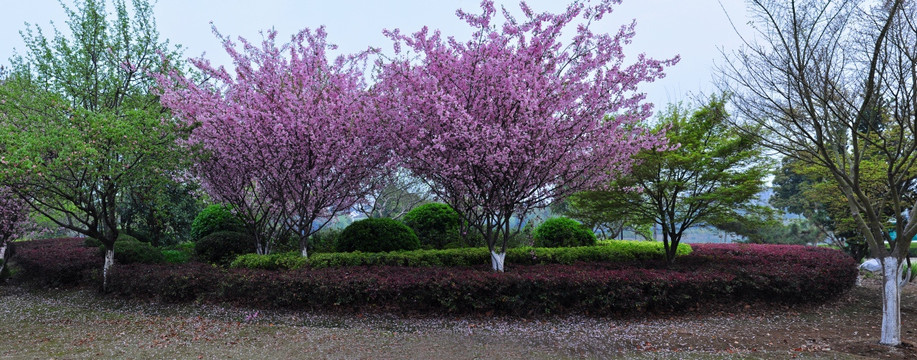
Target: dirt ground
(65, 324)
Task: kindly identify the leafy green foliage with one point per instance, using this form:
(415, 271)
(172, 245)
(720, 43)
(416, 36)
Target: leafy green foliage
(175, 256)
(160, 212)
(324, 241)
(377, 234)
(222, 247)
(603, 251)
(436, 224)
(563, 232)
(707, 179)
(212, 219)
(79, 124)
(129, 250)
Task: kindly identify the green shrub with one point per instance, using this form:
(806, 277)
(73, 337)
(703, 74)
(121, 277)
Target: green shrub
(279, 261)
(605, 251)
(129, 250)
(563, 232)
(222, 247)
(186, 247)
(212, 219)
(92, 242)
(377, 235)
(324, 241)
(175, 256)
(436, 224)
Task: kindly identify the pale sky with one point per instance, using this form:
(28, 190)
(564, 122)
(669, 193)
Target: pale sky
(695, 29)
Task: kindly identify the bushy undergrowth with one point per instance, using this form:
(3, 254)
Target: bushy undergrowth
(222, 247)
(436, 224)
(710, 275)
(212, 219)
(563, 232)
(129, 250)
(58, 261)
(605, 251)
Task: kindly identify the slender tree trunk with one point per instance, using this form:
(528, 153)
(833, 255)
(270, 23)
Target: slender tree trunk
(891, 302)
(3, 257)
(304, 247)
(496, 260)
(109, 260)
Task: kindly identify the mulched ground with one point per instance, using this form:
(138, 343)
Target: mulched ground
(49, 323)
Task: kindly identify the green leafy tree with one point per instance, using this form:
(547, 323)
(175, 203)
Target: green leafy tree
(80, 128)
(707, 179)
(801, 187)
(597, 211)
(160, 212)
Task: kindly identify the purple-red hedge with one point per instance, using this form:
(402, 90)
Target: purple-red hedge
(58, 261)
(712, 274)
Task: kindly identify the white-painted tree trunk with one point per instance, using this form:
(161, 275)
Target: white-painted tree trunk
(496, 260)
(305, 252)
(109, 260)
(891, 304)
(2, 257)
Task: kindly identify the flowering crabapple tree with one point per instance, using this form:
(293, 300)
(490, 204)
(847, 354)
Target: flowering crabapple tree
(290, 138)
(515, 118)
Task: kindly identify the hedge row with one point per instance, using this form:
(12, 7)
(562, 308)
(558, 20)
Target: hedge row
(605, 251)
(710, 275)
(58, 261)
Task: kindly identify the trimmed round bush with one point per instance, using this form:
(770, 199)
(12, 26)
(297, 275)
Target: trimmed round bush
(129, 250)
(563, 232)
(212, 219)
(377, 235)
(92, 242)
(222, 247)
(435, 224)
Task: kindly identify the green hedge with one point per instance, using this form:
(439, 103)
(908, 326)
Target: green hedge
(604, 251)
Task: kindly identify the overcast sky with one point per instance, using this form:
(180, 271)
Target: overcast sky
(695, 29)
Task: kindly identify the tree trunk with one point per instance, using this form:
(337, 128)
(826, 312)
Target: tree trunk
(496, 260)
(3, 257)
(305, 252)
(891, 304)
(109, 260)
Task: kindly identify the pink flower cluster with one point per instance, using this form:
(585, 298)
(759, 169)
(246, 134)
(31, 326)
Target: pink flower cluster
(510, 120)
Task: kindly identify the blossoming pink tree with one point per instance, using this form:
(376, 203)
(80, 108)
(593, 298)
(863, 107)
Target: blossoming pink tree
(289, 137)
(12, 217)
(515, 118)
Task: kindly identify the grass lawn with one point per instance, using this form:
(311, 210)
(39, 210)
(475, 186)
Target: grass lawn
(82, 324)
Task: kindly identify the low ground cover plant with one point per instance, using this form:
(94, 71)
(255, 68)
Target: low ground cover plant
(709, 275)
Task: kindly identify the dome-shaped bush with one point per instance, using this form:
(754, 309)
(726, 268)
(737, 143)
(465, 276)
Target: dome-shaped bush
(212, 219)
(222, 247)
(129, 250)
(377, 235)
(563, 232)
(435, 224)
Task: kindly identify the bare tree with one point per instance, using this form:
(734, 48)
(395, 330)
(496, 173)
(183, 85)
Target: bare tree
(834, 82)
(398, 193)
